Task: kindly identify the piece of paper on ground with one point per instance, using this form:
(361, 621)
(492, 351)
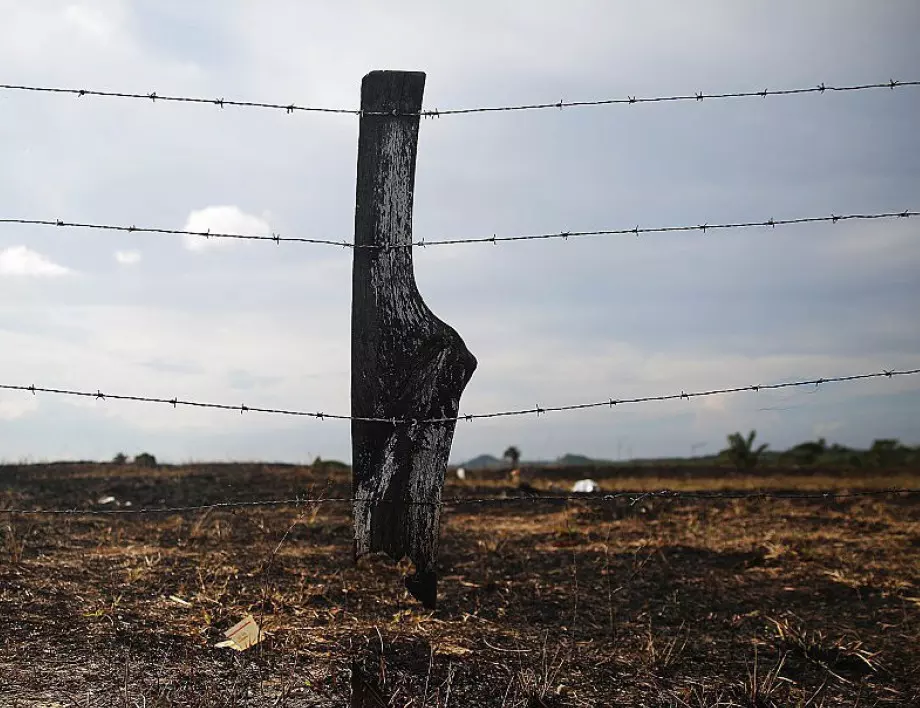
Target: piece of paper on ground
(242, 635)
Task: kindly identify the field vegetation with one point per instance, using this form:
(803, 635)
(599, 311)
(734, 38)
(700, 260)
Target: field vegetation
(542, 602)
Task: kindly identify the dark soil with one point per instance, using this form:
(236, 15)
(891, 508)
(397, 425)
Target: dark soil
(659, 603)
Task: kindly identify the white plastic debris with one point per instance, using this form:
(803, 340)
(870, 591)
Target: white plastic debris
(107, 500)
(585, 486)
(461, 473)
(242, 635)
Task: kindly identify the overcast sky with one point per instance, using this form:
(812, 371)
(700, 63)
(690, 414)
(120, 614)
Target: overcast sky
(551, 322)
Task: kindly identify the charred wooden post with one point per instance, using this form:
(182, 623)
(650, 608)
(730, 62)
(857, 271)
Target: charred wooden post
(406, 364)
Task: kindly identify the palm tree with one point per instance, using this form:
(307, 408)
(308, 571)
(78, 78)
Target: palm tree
(741, 450)
(513, 455)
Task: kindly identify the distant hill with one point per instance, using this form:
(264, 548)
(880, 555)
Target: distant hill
(571, 460)
(483, 462)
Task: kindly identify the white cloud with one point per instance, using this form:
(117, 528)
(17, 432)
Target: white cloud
(92, 21)
(222, 219)
(19, 260)
(128, 257)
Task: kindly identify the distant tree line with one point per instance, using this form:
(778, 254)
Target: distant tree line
(145, 459)
(743, 454)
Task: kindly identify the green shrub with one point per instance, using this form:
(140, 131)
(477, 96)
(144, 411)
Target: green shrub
(145, 459)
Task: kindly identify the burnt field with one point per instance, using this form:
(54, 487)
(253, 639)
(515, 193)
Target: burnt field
(662, 602)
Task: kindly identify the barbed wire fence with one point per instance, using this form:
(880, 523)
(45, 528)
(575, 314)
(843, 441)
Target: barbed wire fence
(533, 496)
(637, 230)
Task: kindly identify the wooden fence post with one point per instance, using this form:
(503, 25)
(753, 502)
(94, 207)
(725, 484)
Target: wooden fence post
(406, 364)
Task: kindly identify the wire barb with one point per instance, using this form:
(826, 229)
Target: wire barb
(538, 409)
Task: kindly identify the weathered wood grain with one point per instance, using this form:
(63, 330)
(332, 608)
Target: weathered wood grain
(406, 363)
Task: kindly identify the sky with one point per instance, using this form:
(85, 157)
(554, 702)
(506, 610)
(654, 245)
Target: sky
(550, 322)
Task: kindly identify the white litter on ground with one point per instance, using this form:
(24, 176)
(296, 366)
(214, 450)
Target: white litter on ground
(242, 635)
(585, 486)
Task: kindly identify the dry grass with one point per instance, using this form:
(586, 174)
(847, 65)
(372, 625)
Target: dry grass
(663, 603)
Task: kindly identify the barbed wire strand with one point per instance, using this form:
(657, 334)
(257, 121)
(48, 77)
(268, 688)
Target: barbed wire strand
(277, 238)
(632, 497)
(537, 410)
(697, 96)
(564, 235)
(638, 230)
(290, 108)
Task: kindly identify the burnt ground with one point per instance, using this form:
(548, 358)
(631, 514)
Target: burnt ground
(660, 603)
